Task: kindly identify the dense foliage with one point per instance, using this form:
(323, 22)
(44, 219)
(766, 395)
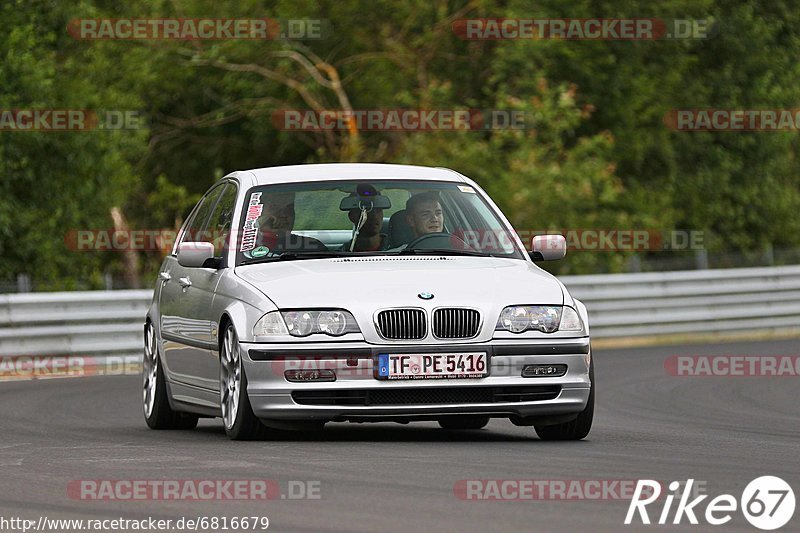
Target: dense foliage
(596, 152)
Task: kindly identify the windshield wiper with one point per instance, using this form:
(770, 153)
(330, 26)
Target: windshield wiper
(442, 251)
(292, 256)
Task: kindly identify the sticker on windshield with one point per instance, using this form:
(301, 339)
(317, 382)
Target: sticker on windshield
(261, 251)
(466, 188)
(250, 226)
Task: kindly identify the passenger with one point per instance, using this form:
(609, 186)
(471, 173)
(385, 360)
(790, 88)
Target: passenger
(370, 238)
(277, 222)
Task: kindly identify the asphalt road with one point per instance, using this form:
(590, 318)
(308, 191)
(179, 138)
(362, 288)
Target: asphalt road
(722, 431)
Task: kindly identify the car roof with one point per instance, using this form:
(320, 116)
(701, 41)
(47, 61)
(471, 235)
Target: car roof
(344, 171)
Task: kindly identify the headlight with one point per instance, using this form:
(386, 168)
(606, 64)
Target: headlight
(544, 318)
(570, 321)
(299, 323)
(334, 322)
(270, 324)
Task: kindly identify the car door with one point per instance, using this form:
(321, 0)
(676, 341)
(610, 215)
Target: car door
(203, 305)
(183, 294)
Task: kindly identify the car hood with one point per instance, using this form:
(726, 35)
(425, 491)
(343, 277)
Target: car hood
(370, 283)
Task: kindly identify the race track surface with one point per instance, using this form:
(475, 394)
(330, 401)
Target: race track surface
(724, 431)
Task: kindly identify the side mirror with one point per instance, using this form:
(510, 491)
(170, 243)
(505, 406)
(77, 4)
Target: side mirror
(548, 248)
(195, 254)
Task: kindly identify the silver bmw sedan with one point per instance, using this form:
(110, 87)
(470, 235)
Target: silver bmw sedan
(300, 295)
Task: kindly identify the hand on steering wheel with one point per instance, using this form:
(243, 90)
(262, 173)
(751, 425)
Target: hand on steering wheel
(438, 241)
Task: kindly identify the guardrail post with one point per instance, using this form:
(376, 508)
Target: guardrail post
(701, 259)
(23, 283)
(769, 255)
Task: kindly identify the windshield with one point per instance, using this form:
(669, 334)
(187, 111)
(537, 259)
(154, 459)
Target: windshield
(376, 217)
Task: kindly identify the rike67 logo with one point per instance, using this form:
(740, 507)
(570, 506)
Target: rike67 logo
(767, 503)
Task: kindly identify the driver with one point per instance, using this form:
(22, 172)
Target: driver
(424, 214)
(276, 224)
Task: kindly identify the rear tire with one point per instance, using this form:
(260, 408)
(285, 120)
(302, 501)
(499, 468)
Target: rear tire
(576, 429)
(157, 412)
(464, 422)
(237, 414)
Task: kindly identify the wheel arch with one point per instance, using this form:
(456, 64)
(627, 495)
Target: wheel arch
(241, 315)
(148, 321)
(224, 320)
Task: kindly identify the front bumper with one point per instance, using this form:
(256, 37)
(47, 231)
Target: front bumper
(358, 396)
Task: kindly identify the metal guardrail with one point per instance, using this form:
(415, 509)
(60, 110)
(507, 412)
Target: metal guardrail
(694, 301)
(80, 323)
(620, 305)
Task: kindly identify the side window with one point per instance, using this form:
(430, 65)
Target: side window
(219, 224)
(197, 223)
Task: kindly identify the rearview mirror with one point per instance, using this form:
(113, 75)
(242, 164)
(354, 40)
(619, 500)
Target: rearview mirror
(368, 202)
(195, 254)
(548, 247)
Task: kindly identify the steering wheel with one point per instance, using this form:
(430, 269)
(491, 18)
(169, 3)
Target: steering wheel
(438, 241)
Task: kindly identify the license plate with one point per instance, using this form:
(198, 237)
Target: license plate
(432, 365)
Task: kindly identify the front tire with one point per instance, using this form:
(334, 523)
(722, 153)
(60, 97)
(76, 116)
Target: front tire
(157, 412)
(237, 414)
(576, 429)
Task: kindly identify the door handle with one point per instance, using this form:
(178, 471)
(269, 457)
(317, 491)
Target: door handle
(164, 276)
(185, 282)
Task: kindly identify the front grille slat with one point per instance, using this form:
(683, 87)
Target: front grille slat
(411, 324)
(402, 324)
(427, 395)
(456, 323)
